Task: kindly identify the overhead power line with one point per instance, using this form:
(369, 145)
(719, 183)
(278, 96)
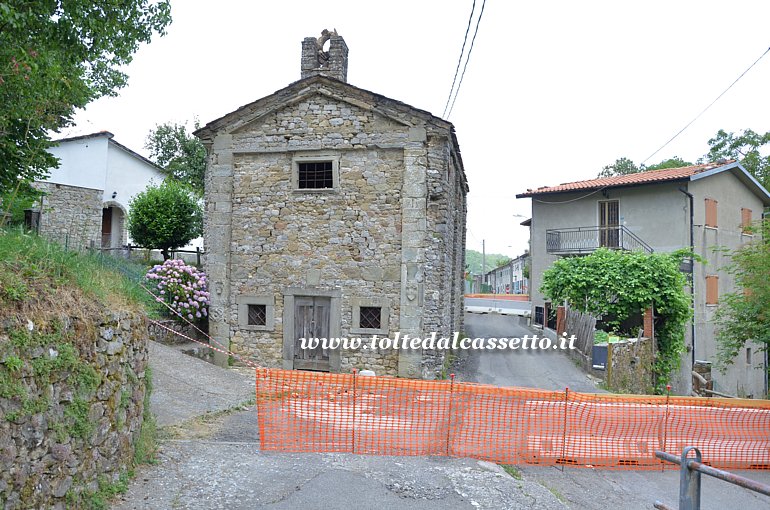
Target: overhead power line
(460, 60)
(470, 50)
(704, 110)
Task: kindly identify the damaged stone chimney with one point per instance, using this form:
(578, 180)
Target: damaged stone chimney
(332, 63)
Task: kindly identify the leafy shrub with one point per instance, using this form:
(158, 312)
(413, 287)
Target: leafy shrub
(165, 217)
(601, 337)
(183, 288)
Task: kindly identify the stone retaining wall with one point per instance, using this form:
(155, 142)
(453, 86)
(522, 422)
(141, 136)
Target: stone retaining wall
(630, 366)
(70, 417)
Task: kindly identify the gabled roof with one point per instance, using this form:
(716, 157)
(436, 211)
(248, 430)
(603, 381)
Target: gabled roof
(325, 85)
(687, 173)
(110, 139)
(312, 85)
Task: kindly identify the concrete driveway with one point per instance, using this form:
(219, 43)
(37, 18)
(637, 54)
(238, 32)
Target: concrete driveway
(210, 459)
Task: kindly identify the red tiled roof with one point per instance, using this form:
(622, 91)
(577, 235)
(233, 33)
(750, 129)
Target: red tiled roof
(652, 176)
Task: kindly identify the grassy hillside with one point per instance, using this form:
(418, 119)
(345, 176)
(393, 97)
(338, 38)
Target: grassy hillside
(41, 279)
(473, 261)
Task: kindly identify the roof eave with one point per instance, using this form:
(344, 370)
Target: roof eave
(743, 175)
(593, 189)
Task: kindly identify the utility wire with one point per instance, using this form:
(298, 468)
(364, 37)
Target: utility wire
(460, 60)
(704, 110)
(470, 50)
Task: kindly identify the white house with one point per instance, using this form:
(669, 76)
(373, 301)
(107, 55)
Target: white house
(87, 197)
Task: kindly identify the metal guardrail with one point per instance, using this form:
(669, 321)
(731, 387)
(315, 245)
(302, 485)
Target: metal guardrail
(689, 479)
(588, 239)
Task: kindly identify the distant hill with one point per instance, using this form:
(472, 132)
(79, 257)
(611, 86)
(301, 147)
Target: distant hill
(473, 261)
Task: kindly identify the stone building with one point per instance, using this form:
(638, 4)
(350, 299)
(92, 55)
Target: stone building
(86, 199)
(332, 211)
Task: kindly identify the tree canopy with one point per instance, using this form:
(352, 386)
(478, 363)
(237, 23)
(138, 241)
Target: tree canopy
(473, 260)
(745, 147)
(56, 57)
(750, 148)
(616, 284)
(625, 166)
(744, 315)
(165, 217)
(181, 154)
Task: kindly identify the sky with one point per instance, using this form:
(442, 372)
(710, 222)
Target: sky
(554, 90)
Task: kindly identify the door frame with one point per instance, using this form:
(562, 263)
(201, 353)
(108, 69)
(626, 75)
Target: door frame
(609, 234)
(289, 294)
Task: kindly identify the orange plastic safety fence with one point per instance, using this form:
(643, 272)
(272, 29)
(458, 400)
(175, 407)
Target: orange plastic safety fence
(320, 412)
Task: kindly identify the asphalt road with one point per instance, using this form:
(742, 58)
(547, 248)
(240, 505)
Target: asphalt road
(586, 488)
(549, 370)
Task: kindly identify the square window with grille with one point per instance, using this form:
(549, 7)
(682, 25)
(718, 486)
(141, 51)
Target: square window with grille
(257, 315)
(370, 317)
(315, 175)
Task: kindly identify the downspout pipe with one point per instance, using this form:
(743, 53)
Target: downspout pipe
(692, 272)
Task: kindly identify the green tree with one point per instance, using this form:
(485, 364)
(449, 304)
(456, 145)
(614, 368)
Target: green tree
(58, 56)
(675, 162)
(165, 217)
(621, 166)
(181, 154)
(744, 315)
(473, 260)
(616, 284)
(747, 148)
(624, 166)
(502, 261)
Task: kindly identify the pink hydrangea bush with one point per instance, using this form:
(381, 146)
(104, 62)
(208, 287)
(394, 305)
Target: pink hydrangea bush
(183, 288)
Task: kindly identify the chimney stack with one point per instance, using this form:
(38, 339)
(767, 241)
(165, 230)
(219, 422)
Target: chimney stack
(332, 63)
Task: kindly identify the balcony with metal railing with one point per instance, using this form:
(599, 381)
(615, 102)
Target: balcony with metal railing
(583, 240)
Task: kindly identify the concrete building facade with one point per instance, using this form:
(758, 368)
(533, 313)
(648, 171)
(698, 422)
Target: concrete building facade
(509, 278)
(663, 210)
(332, 211)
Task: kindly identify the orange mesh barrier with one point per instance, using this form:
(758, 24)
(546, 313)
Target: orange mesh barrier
(320, 412)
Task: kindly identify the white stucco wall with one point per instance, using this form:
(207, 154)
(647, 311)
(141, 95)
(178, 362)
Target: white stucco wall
(127, 175)
(97, 162)
(82, 163)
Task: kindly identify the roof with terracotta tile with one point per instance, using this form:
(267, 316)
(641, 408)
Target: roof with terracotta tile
(650, 177)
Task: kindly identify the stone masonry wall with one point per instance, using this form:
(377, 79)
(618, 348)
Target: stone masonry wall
(631, 362)
(444, 253)
(348, 239)
(71, 216)
(84, 431)
(374, 237)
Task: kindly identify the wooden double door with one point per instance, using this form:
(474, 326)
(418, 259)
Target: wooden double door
(311, 320)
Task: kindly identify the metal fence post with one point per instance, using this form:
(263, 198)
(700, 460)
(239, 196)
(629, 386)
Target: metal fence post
(353, 428)
(449, 415)
(564, 430)
(689, 481)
